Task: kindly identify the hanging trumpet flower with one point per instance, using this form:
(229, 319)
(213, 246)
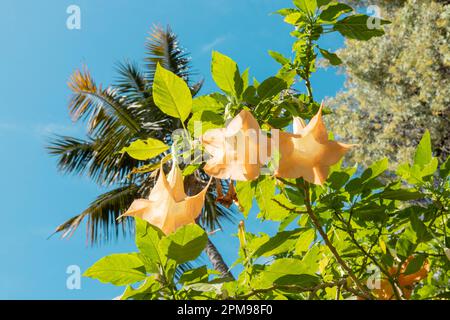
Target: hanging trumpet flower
(308, 152)
(168, 207)
(235, 149)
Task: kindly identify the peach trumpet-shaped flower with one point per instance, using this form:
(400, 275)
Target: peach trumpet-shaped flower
(168, 207)
(235, 149)
(308, 152)
(406, 282)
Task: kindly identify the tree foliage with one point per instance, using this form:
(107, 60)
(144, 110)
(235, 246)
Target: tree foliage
(397, 85)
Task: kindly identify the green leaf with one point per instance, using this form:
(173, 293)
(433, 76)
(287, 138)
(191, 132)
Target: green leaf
(185, 244)
(280, 243)
(420, 230)
(445, 169)
(331, 57)
(145, 149)
(245, 193)
(264, 191)
(375, 169)
(356, 27)
(205, 287)
(294, 17)
(285, 11)
(423, 153)
(401, 194)
(415, 264)
(278, 57)
(307, 6)
(171, 94)
(295, 196)
(305, 240)
(270, 87)
(215, 102)
(311, 259)
(119, 269)
(206, 120)
(146, 291)
(281, 268)
(278, 208)
(147, 241)
(333, 11)
(225, 73)
(404, 247)
(199, 274)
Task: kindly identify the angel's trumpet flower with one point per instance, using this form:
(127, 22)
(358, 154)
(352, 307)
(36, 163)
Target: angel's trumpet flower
(168, 207)
(308, 152)
(406, 282)
(235, 149)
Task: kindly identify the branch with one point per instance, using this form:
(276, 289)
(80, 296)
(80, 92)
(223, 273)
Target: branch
(333, 250)
(298, 289)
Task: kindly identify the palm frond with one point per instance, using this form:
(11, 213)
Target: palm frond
(88, 98)
(95, 158)
(102, 214)
(131, 83)
(163, 48)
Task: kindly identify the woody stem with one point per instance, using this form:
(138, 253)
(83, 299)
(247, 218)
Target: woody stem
(327, 241)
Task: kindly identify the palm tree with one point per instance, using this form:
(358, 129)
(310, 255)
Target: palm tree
(115, 116)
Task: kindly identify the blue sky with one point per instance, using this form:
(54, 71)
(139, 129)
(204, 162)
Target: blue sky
(38, 55)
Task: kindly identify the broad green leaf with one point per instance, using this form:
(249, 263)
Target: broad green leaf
(293, 18)
(215, 102)
(307, 6)
(404, 248)
(199, 274)
(401, 194)
(338, 179)
(147, 241)
(225, 73)
(356, 27)
(146, 291)
(311, 259)
(445, 169)
(270, 87)
(278, 57)
(304, 241)
(205, 120)
(280, 243)
(119, 269)
(281, 268)
(190, 169)
(264, 191)
(285, 11)
(278, 208)
(245, 193)
(375, 169)
(185, 244)
(321, 3)
(415, 264)
(420, 230)
(145, 149)
(423, 153)
(171, 94)
(205, 287)
(245, 76)
(371, 212)
(295, 196)
(286, 222)
(333, 11)
(331, 57)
